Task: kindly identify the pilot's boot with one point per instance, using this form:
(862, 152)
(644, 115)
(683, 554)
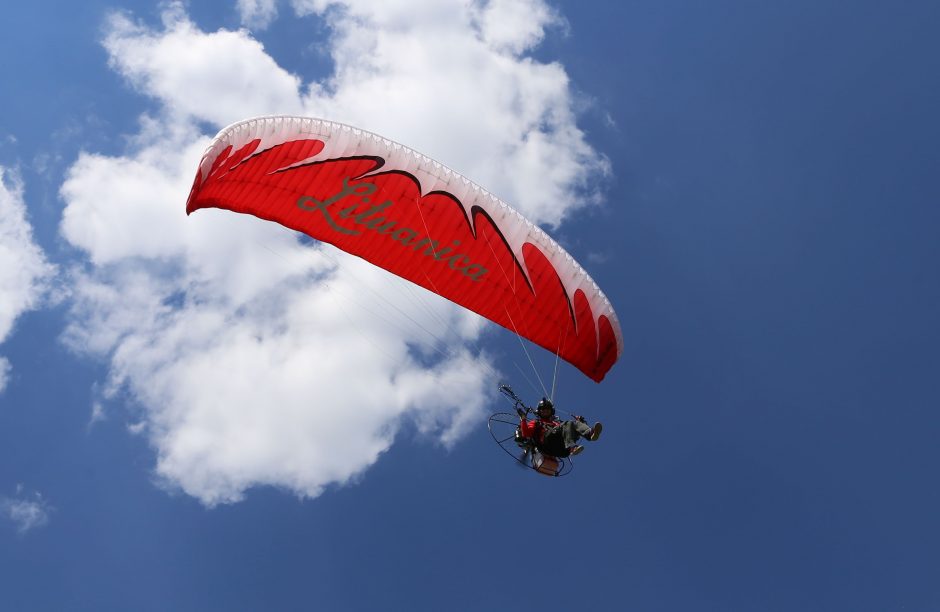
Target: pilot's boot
(595, 432)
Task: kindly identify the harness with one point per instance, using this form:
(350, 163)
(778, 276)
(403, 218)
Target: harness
(554, 446)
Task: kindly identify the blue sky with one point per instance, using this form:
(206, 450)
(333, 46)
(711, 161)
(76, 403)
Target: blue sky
(754, 188)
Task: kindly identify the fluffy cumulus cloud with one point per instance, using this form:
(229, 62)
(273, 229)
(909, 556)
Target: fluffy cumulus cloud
(26, 512)
(257, 14)
(255, 358)
(451, 79)
(213, 77)
(25, 272)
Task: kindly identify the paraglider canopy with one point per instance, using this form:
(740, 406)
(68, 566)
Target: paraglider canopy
(416, 218)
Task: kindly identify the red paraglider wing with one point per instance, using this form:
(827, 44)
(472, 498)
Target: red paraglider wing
(416, 218)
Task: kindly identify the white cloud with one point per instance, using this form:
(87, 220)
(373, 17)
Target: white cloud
(98, 414)
(257, 14)
(451, 79)
(27, 512)
(217, 77)
(254, 359)
(295, 385)
(25, 272)
(5, 368)
(515, 25)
